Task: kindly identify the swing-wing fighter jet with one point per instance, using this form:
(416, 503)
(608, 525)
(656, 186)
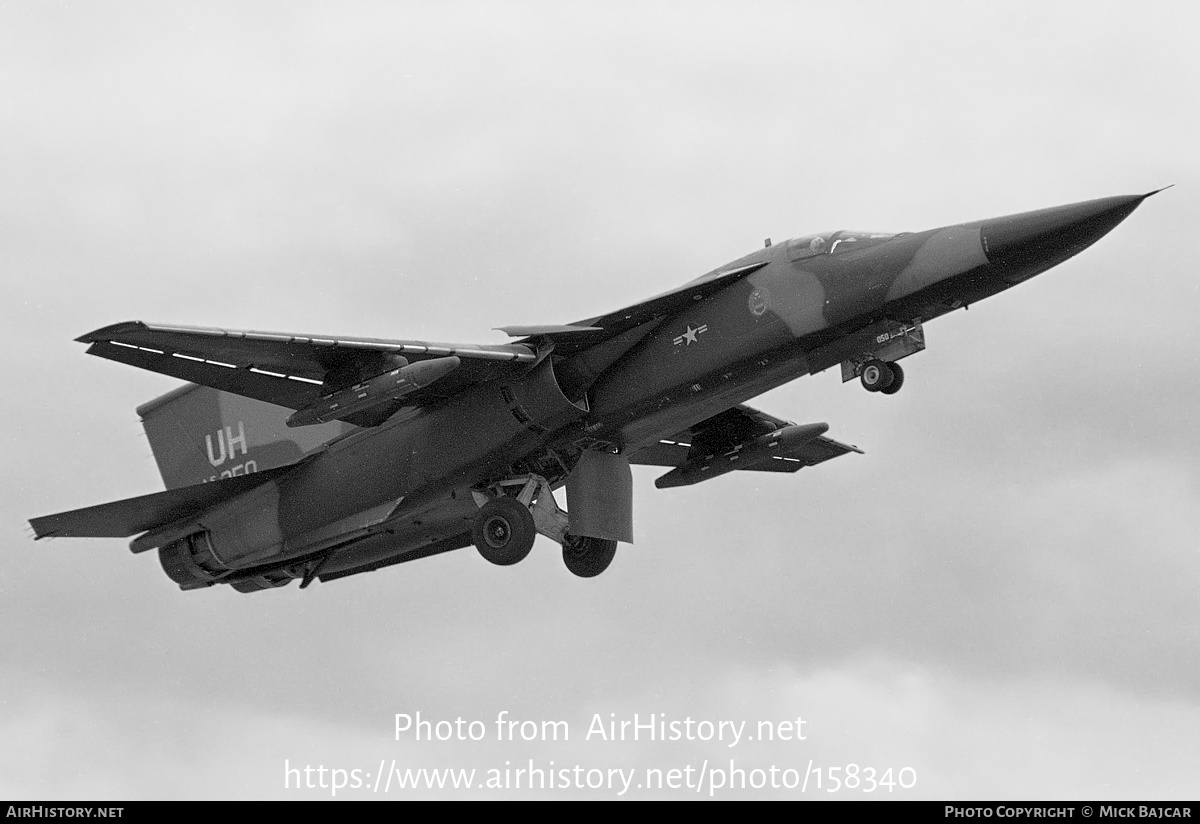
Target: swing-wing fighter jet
(311, 457)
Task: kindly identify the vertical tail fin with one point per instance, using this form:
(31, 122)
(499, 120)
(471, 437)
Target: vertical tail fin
(200, 434)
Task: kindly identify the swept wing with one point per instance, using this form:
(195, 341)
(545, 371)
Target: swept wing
(295, 370)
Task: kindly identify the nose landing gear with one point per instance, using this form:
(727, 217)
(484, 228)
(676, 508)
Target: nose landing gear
(877, 376)
(873, 354)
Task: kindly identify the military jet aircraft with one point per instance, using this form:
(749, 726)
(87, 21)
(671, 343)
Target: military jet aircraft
(317, 457)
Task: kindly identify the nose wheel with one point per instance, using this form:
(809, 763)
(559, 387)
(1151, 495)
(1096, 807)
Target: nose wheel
(897, 379)
(877, 376)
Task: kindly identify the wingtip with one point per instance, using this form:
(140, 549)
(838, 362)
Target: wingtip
(106, 332)
(32, 528)
(1156, 191)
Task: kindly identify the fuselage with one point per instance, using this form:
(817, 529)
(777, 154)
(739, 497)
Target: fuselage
(304, 456)
(800, 312)
(804, 310)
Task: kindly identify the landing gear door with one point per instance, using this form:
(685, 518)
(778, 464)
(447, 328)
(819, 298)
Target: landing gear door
(600, 497)
(888, 341)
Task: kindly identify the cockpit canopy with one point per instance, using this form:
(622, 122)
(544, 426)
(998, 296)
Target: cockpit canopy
(833, 243)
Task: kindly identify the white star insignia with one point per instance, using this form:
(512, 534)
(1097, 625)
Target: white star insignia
(691, 335)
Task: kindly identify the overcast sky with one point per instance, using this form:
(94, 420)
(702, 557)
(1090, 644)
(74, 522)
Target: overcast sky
(1000, 595)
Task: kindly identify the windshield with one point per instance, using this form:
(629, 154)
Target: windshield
(833, 243)
(847, 240)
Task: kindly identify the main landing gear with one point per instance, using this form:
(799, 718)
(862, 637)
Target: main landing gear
(503, 531)
(877, 376)
(506, 525)
(588, 557)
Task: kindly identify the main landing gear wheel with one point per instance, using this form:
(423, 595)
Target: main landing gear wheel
(897, 380)
(877, 376)
(588, 557)
(503, 531)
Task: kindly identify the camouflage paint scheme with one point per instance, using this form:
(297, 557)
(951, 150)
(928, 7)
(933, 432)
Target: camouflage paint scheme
(257, 503)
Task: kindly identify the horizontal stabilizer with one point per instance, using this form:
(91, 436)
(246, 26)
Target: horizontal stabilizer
(121, 519)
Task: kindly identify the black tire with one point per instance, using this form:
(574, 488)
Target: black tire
(876, 376)
(897, 380)
(588, 557)
(503, 531)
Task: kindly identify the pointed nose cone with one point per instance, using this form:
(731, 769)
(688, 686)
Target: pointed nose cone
(1031, 242)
